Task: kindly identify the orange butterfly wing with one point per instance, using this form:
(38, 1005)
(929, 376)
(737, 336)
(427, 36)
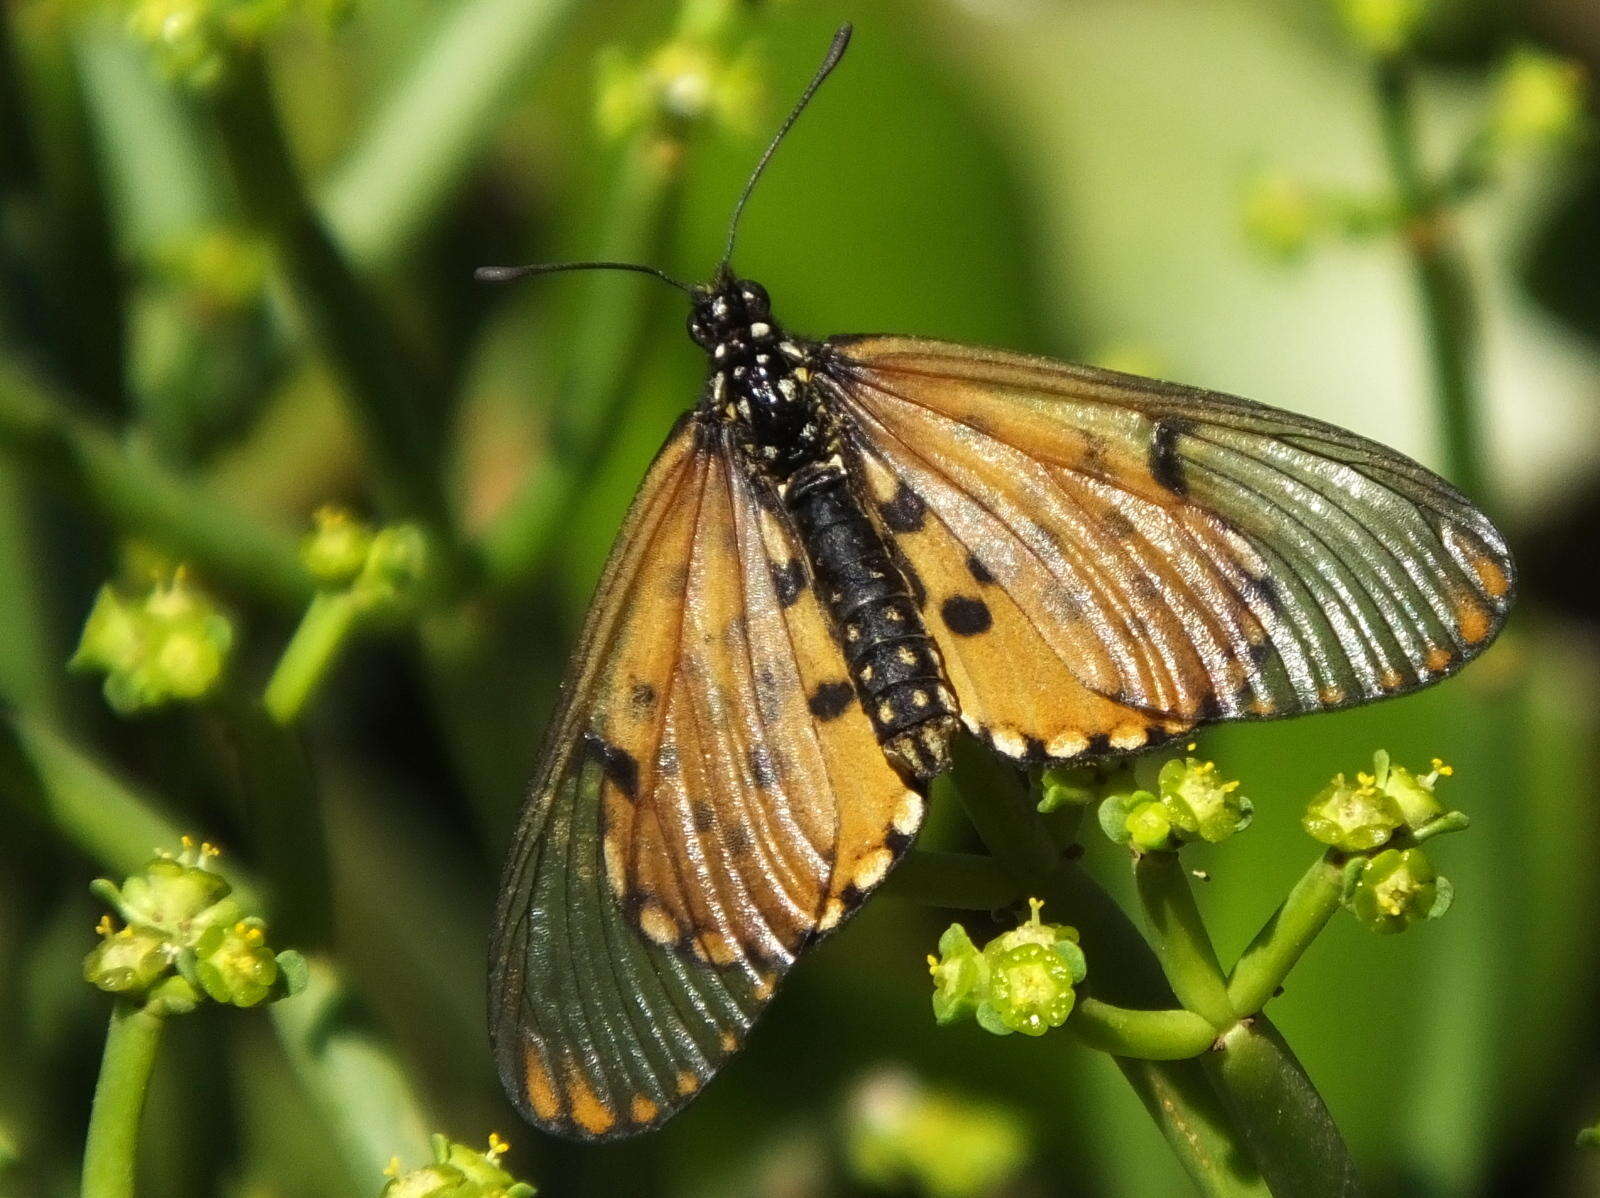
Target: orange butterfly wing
(1108, 560)
(711, 798)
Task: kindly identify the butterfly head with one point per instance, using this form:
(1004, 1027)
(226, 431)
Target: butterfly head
(730, 318)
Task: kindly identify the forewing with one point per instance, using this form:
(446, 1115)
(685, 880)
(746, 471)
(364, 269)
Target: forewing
(1180, 555)
(695, 821)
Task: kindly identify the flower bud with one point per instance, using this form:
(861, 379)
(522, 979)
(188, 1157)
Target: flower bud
(1281, 215)
(126, 962)
(397, 572)
(1068, 786)
(336, 549)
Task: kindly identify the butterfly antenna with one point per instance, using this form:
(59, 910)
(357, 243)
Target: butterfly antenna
(508, 274)
(830, 60)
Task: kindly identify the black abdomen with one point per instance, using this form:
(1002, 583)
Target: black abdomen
(894, 663)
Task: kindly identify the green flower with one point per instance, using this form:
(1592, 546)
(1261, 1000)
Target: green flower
(960, 975)
(1354, 818)
(186, 938)
(1200, 802)
(168, 645)
(1539, 102)
(1412, 792)
(1383, 27)
(683, 84)
(234, 964)
(901, 1136)
(1396, 889)
(1022, 981)
(336, 550)
(457, 1172)
(127, 961)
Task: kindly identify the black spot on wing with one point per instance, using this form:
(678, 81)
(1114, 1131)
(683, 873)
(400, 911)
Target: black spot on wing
(642, 696)
(762, 768)
(789, 580)
(702, 815)
(616, 763)
(904, 513)
(1166, 467)
(830, 699)
(978, 570)
(965, 615)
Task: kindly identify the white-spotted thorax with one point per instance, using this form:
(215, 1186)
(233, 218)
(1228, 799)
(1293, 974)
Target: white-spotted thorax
(762, 380)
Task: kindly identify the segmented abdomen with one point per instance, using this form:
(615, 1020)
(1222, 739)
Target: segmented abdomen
(894, 663)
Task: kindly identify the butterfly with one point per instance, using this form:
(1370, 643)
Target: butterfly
(847, 552)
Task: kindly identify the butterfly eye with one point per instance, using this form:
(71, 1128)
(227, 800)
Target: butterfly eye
(700, 329)
(756, 303)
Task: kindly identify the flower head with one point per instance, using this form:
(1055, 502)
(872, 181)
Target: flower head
(168, 644)
(1396, 889)
(457, 1171)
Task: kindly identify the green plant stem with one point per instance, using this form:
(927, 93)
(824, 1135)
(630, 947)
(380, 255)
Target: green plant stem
(1292, 1136)
(1178, 936)
(1167, 1035)
(959, 881)
(132, 1039)
(1442, 282)
(387, 386)
(1267, 960)
(331, 619)
(602, 363)
(84, 463)
(436, 121)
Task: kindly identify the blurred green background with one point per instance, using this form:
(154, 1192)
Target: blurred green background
(181, 369)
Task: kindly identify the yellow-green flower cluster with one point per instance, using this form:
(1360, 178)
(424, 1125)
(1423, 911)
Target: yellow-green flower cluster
(1363, 815)
(1538, 102)
(685, 83)
(168, 644)
(902, 1136)
(184, 938)
(195, 42)
(1021, 981)
(1382, 27)
(1192, 801)
(387, 571)
(457, 1171)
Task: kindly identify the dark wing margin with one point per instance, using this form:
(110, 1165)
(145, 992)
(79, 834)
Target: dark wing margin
(1187, 554)
(694, 825)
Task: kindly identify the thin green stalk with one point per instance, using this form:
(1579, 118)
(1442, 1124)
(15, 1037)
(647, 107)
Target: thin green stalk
(1278, 947)
(132, 1039)
(386, 384)
(1443, 286)
(322, 634)
(1178, 936)
(960, 881)
(435, 123)
(40, 434)
(1166, 1035)
(1292, 1136)
(602, 362)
